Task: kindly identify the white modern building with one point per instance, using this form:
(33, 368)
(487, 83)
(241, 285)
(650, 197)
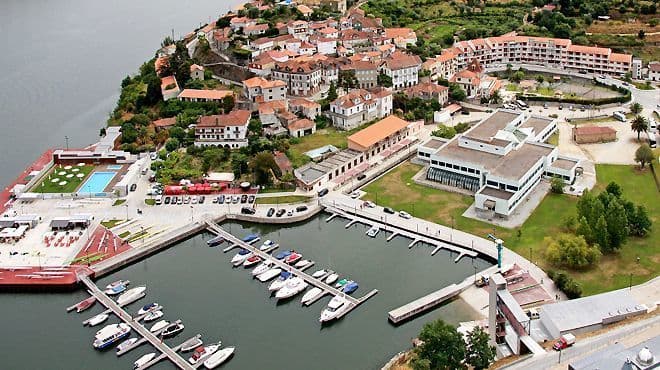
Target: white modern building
(500, 159)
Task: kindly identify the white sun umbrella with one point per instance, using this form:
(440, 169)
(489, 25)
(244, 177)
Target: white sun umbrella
(67, 167)
(57, 179)
(69, 176)
(80, 175)
(63, 183)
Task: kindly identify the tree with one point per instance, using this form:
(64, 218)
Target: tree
(384, 80)
(557, 185)
(636, 108)
(255, 127)
(347, 79)
(601, 234)
(644, 155)
(496, 97)
(332, 92)
(102, 132)
(617, 224)
(479, 353)
(227, 104)
(639, 223)
(639, 124)
(172, 144)
(261, 166)
(614, 189)
(517, 76)
(456, 92)
(571, 251)
(444, 132)
(178, 133)
(641, 34)
(443, 346)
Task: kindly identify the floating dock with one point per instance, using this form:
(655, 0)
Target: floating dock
(327, 289)
(422, 304)
(166, 351)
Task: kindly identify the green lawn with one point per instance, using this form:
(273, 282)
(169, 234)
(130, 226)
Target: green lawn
(111, 223)
(283, 199)
(446, 208)
(119, 202)
(327, 136)
(554, 139)
(48, 186)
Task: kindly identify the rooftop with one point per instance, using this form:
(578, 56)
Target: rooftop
(380, 130)
(233, 118)
(205, 94)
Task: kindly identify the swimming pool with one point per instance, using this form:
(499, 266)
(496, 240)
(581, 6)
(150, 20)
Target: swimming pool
(97, 182)
(115, 167)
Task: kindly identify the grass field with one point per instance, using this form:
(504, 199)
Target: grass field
(283, 199)
(72, 183)
(326, 136)
(397, 190)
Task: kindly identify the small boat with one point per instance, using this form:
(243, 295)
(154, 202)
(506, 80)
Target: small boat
(292, 287)
(131, 295)
(191, 344)
(293, 258)
(85, 304)
(218, 358)
(162, 324)
(241, 256)
(266, 245)
(263, 267)
(97, 319)
(202, 353)
(268, 275)
(342, 282)
(373, 231)
(335, 309)
(319, 273)
(111, 334)
(279, 283)
(115, 290)
(350, 287)
(215, 241)
(251, 261)
(148, 308)
(126, 344)
(116, 283)
(283, 254)
(331, 278)
(302, 263)
(153, 315)
(172, 330)
(311, 295)
(252, 238)
(143, 360)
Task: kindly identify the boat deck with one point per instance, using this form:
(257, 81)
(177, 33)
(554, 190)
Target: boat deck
(327, 289)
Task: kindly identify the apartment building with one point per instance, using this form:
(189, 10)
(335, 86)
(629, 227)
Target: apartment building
(558, 53)
(442, 67)
(359, 107)
(429, 91)
(403, 69)
(302, 78)
(260, 90)
(223, 130)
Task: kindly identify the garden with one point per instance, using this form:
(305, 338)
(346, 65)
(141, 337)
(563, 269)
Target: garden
(63, 179)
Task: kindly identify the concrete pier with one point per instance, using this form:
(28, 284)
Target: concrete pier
(141, 330)
(160, 358)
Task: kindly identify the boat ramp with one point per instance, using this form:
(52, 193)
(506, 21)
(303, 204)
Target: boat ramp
(319, 283)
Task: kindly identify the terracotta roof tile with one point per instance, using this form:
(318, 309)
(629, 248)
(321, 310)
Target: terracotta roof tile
(233, 118)
(380, 130)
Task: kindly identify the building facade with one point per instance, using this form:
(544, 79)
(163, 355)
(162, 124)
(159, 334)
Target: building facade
(223, 130)
(359, 107)
(302, 78)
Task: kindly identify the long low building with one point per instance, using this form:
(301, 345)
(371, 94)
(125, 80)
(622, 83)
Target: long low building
(500, 159)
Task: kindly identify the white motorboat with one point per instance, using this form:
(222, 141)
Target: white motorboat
(153, 315)
(251, 261)
(262, 267)
(218, 358)
(241, 256)
(143, 360)
(131, 295)
(148, 308)
(335, 309)
(266, 245)
(331, 278)
(302, 263)
(172, 330)
(202, 353)
(111, 334)
(126, 344)
(97, 319)
(373, 231)
(117, 289)
(292, 287)
(268, 275)
(311, 295)
(317, 274)
(279, 283)
(191, 344)
(117, 283)
(159, 326)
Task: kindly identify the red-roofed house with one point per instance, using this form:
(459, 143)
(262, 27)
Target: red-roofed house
(593, 134)
(223, 130)
(283, 162)
(255, 30)
(204, 95)
(403, 69)
(164, 123)
(401, 37)
(260, 90)
(301, 127)
(303, 78)
(169, 88)
(360, 106)
(307, 108)
(197, 72)
(428, 91)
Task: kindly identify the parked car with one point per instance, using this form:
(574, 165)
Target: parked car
(251, 199)
(221, 199)
(235, 199)
(167, 200)
(193, 200)
(465, 113)
(388, 210)
(369, 204)
(154, 156)
(565, 341)
(361, 177)
(244, 198)
(133, 187)
(323, 192)
(280, 212)
(215, 200)
(355, 194)
(290, 213)
(271, 212)
(301, 208)
(404, 214)
(179, 200)
(201, 199)
(248, 211)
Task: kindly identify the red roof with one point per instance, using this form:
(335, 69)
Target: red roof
(233, 118)
(593, 130)
(165, 122)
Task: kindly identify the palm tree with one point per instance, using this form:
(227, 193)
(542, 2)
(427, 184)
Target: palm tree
(636, 108)
(639, 124)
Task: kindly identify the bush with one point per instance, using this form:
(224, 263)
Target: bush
(566, 284)
(571, 251)
(557, 185)
(444, 132)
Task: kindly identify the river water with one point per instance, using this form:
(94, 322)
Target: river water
(61, 68)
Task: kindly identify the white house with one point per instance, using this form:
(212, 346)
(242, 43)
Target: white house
(197, 72)
(403, 69)
(260, 90)
(303, 78)
(223, 130)
(359, 107)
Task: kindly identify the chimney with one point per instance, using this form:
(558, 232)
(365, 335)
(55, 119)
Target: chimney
(217, 120)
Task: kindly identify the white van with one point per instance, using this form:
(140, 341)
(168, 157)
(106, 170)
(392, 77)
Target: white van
(159, 199)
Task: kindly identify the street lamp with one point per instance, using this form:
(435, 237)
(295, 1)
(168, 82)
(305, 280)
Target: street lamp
(126, 212)
(192, 213)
